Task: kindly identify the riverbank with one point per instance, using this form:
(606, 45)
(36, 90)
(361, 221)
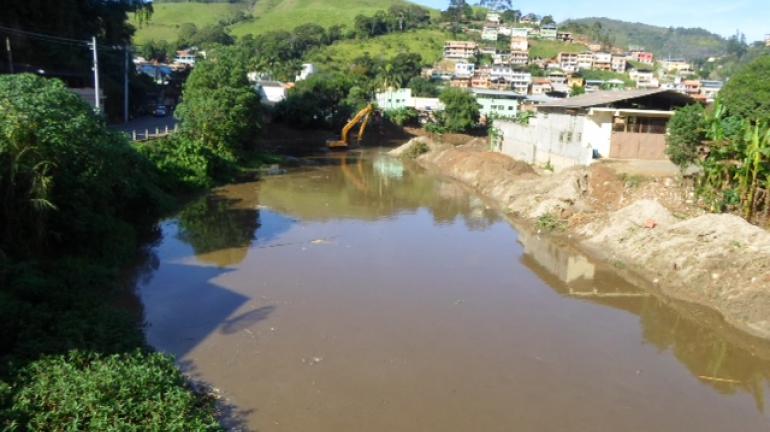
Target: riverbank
(647, 227)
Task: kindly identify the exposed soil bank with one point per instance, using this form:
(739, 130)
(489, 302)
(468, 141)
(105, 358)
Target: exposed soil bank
(646, 226)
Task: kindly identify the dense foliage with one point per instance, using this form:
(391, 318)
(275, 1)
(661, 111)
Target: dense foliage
(687, 130)
(66, 179)
(747, 94)
(402, 116)
(126, 392)
(398, 18)
(461, 111)
(77, 202)
(318, 102)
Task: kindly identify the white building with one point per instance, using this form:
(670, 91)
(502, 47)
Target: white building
(270, 92)
(519, 44)
(460, 50)
(402, 98)
(644, 78)
(308, 69)
(489, 34)
(578, 130)
(498, 103)
(185, 57)
(493, 17)
(521, 32)
(504, 30)
(464, 70)
(585, 60)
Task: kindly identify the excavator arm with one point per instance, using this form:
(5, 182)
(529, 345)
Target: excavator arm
(362, 117)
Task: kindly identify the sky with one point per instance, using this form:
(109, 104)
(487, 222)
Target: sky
(723, 17)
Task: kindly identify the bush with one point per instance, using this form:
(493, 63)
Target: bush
(747, 93)
(461, 111)
(62, 171)
(686, 133)
(402, 116)
(122, 392)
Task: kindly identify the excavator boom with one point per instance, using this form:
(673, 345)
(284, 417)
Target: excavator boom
(363, 117)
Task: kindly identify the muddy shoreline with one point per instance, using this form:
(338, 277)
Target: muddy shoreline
(645, 227)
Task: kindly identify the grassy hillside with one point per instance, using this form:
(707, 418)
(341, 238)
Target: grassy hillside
(287, 14)
(690, 43)
(550, 49)
(167, 17)
(428, 43)
(268, 15)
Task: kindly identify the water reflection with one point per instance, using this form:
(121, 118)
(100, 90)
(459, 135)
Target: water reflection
(368, 188)
(719, 356)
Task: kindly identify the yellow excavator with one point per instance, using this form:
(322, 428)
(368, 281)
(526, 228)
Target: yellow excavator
(363, 117)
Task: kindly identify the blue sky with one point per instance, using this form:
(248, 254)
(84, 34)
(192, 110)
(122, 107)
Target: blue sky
(719, 16)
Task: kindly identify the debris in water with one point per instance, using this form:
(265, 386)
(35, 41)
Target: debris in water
(721, 380)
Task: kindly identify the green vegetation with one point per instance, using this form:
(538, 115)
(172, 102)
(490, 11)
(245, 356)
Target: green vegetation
(747, 94)
(690, 43)
(687, 130)
(419, 148)
(734, 173)
(428, 43)
(402, 116)
(274, 15)
(550, 223)
(546, 49)
(607, 75)
(168, 18)
(461, 111)
(135, 391)
(78, 200)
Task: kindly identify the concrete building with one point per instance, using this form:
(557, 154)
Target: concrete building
(710, 89)
(186, 57)
(576, 131)
(565, 37)
(518, 58)
(519, 44)
(541, 86)
(676, 66)
(602, 61)
(548, 32)
(522, 32)
(464, 70)
(460, 50)
(568, 62)
(270, 92)
(619, 64)
(585, 60)
(493, 17)
(498, 103)
(402, 98)
(644, 78)
(308, 69)
(642, 56)
(489, 33)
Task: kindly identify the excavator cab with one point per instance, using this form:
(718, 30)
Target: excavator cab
(363, 117)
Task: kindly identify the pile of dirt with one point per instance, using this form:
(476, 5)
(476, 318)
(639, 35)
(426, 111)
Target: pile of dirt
(648, 227)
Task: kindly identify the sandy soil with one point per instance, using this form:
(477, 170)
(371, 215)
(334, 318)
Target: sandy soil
(644, 222)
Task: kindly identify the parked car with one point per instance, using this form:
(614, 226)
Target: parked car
(160, 111)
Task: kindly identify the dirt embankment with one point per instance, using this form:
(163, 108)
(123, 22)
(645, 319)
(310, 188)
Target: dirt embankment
(647, 226)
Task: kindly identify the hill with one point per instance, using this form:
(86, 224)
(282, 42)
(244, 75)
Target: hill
(167, 17)
(249, 17)
(690, 43)
(428, 43)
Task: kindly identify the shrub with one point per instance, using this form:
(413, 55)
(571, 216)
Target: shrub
(747, 93)
(549, 222)
(121, 392)
(686, 134)
(461, 111)
(402, 116)
(416, 150)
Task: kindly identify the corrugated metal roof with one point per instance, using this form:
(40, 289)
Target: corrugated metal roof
(607, 97)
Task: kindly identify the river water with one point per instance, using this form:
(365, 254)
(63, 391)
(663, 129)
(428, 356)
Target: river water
(364, 295)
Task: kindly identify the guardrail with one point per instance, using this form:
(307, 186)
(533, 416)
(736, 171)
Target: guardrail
(148, 135)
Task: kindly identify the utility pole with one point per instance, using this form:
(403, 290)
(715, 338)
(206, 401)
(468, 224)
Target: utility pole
(10, 53)
(127, 53)
(98, 102)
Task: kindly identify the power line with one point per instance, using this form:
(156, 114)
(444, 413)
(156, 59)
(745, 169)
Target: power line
(57, 39)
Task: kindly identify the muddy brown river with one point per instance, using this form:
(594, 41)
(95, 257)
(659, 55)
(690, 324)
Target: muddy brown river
(361, 294)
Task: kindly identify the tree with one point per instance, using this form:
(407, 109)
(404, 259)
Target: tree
(548, 19)
(220, 109)
(422, 87)
(747, 94)
(686, 133)
(496, 5)
(65, 178)
(577, 90)
(186, 34)
(461, 111)
(317, 102)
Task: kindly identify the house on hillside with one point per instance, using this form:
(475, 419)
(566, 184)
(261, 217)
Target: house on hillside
(460, 50)
(644, 78)
(520, 32)
(585, 60)
(530, 18)
(271, 92)
(548, 32)
(641, 56)
(677, 66)
(186, 56)
(565, 37)
(576, 131)
(619, 64)
(519, 44)
(710, 89)
(568, 62)
(518, 58)
(489, 33)
(464, 70)
(602, 61)
(498, 103)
